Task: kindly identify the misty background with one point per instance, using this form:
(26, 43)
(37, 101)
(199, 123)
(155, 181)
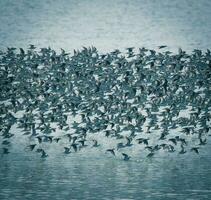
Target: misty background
(108, 25)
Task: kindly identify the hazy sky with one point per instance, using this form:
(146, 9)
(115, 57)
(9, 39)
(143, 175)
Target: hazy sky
(106, 24)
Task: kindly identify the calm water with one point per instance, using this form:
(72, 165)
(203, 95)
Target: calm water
(106, 25)
(101, 177)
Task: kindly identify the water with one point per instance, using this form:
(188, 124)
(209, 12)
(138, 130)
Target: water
(101, 177)
(107, 25)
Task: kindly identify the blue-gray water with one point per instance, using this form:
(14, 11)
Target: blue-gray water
(106, 25)
(101, 177)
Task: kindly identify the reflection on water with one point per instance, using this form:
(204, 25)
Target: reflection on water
(100, 177)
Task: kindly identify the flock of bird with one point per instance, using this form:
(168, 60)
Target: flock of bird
(154, 101)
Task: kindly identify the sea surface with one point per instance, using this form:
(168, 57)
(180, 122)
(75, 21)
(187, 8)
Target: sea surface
(98, 176)
(108, 25)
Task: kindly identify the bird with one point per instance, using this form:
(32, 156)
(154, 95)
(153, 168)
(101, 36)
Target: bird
(111, 151)
(183, 151)
(67, 150)
(82, 142)
(130, 49)
(126, 157)
(39, 138)
(151, 154)
(95, 143)
(129, 140)
(122, 95)
(202, 142)
(39, 150)
(22, 51)
(120, 145)
(31, 147)
(57, 139)
(5, 151)
(195, 149)
(74, 146)
(5, 142)
(162, 46)
(143, 140)
(31, 46)
(44, 154)
(173, 140)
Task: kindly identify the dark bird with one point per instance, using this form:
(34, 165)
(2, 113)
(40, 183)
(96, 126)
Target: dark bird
(82, 143)
(74, 146)
(111, 151)
(120, 145)
(202, 142)
(57, 139)
(126, 157)
(5, 150)
(151, 154)
(39, 150)
(67, 150)
(195, 149)
(95, 143)
(31, 147)
(22, 51)
(39, 138)
(44, 154)
(129, 140)
(182, 150)
(143, 140)
(173, 140)
(162, 46)
(5, 142)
